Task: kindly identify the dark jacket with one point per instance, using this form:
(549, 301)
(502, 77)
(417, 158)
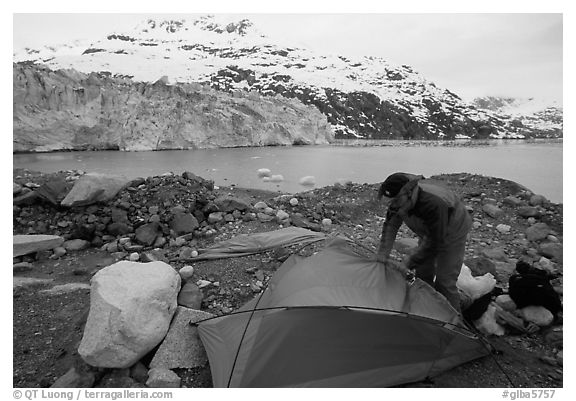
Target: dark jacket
(433, 212)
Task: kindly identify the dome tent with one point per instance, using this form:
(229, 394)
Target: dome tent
(337, 319)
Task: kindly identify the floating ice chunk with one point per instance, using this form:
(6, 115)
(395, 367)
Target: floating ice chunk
(308, 180)
(264, 172)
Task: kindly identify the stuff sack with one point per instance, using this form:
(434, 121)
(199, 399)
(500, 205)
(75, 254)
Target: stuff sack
(531, 286)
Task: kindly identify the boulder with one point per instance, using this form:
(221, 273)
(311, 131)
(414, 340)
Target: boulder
(529, 211)
(538, 315)
(54, 191)
(538, 232)
(480, 266)
(190, 296)
(119, 215)
(281, 216)
(537, 200)
(492, 210)
(505, 302)
(229, 204)
(552, 250)
(513, 201)
(131, 306)
(76, 245)
(94, 187)
(162, 378)
(119, 228)
(27, 244)
(495, 254)
(184, 223)
(215, 217)
(146, 234)
(260, 206)
(75, 379)
(182, 347)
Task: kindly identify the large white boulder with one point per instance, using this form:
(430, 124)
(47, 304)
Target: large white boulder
(94, 187)
(26, 244)
(131, 306)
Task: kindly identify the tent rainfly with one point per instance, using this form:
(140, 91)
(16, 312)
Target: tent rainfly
(337, 319)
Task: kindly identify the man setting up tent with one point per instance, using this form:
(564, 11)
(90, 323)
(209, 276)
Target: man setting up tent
(440, 220)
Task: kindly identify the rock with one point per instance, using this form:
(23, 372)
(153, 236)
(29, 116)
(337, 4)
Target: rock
(155, 255)
(492, 210)
(479, 266)
(184, 223)
(139, 372)
(17, 188)
(269, 211)
(76, 245)
(119, 216)
(299, 221)
(406, 245)
(75, 379)
(190, 296)
(529, 211)
(281, 216)
(117, 229)
(22, 267)
(294, 202)
(29, 243)
(307, 180)
(495, 254)
(229, 204)
(58, 252)
(513, 201)
(146, 234)
(118, 379)
(263, 217)
(27, 281)
(326, 223)
(203, 283)
(476, 225)
(186, 272)
(131, 306)
(196, 182)
(94, 187)
(260, 206)
(162, 378)
(537, 232)
(552, 250)
(506, 303)
(54, 191)
(215, 217)
(134, 257)
(503, 228)
(538, 315)
(65, 288)
(182, 347)
(537, 200)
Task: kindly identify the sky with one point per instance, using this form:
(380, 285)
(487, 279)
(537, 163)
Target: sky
(472, 54)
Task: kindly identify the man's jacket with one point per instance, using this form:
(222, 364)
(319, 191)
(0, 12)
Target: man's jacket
(433, 212)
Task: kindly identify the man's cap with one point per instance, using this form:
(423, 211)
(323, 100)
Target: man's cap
(393, 184)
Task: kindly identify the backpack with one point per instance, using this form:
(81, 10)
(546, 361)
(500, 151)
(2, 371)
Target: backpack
(531, 286)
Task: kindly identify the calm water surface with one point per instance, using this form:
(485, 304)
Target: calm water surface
(537, 166)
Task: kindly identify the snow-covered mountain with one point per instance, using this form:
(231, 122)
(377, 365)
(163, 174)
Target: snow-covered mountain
(364, 97)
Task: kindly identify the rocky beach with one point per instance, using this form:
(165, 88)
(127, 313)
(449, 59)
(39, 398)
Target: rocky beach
(76, 232)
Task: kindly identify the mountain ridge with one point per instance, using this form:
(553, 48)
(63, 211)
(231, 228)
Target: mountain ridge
(362, 97)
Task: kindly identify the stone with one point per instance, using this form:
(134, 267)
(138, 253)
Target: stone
(94, 187)
(215, 217)
(146, 234)
(117, 229)
(134, 257)
(495, 254)
(513, 201)
(260, 205)
(27, 281)
(17, 188)
(263, 217)
(119, 215)
(537, 200)
(492, 210)
(294, 202)
(186, 272)
(479, 266)
(537, 232)
(506, 303)
(281, 216)
(552, 250)
(300, 221)
(131, 306)
(53, 191)
(30, 243)
(182, 347)
(529, 211)
(538, 315)
(155, 255)
(326, 222)
(406, 245)
(229, 204)
(65, 288)
(184, 223)
(503, 228)
(139, 372)
(190, 296)
(74, 379)
(76, 245)
(22, 267)
(162, 378)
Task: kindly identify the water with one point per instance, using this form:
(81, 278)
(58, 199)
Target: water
(538, 166)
